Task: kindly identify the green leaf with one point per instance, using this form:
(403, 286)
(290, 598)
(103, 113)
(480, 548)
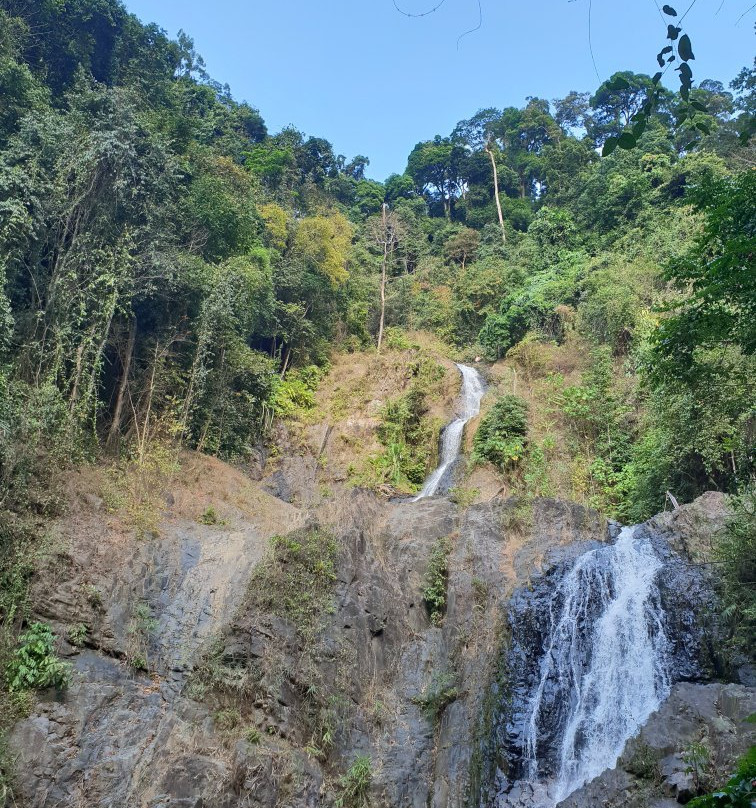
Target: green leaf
(699, 106)
(627, 140)
(639, 128)
(610, 144)
(657, 78)
(685, 49)
(669, 10)
(673, 32)
(703, 127)
(621, 83)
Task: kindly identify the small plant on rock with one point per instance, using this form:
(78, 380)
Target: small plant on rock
(644, 762)
(34, 663)
(228, 719)
(355, 784)
(77, 634)
(252, 735)
(436, 576)
(141, 627)
(210, 517)
(697, 756)
(464, 497)
(480, 592)
(438, 695)
(93, 596)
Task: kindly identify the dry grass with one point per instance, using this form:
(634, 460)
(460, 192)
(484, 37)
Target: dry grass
(350, 399)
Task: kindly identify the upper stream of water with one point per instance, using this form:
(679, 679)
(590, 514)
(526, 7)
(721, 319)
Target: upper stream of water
(473, 388)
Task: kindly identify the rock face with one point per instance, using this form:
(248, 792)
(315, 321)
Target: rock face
(686, 593)
(190, 689)
(655, 770)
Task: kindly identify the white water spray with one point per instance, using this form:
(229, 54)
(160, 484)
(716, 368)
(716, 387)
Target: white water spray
(472, 392)
(603, 667)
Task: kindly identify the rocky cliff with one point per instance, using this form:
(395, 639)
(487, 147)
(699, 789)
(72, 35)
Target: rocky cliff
(363, 657)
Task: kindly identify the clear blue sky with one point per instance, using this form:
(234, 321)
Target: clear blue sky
(375, 82)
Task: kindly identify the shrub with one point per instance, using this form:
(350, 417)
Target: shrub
(77, 634)
(408, 433)
(297, 390)
(501, 436)
(440, 692)
(395, 339)
(436, 576)
(34, 663)
(297, 582)
(354, 785)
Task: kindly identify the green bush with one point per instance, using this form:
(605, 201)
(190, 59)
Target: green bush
(355, 784)
(409, 435)
(436, 577)
(34, 663)
(297, 390)
(501, 437)
(441, 691)
(395, 339)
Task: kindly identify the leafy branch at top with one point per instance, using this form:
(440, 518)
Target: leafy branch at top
(679, 49)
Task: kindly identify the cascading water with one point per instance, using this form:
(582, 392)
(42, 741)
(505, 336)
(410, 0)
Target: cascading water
(602, 673)
(472, 392)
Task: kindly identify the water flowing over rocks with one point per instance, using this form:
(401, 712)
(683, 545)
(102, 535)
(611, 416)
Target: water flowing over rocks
(433, 706)
(473, 389)
(599, 642)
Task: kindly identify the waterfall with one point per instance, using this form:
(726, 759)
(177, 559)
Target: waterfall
(603, 670)
(472, 392)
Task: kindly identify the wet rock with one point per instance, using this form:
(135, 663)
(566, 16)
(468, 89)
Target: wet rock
(712, 715)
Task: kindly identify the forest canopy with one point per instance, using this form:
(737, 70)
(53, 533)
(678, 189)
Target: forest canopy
(167, 263)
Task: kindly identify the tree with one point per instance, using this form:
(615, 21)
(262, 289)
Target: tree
(323, 242)
(716, 278)
(572, 111)
(618, 100)
(436, 164)
(386, 233)
(522, 135)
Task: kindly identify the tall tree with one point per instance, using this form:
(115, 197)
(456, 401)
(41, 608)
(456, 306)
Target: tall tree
(437, 164)
(385, 232)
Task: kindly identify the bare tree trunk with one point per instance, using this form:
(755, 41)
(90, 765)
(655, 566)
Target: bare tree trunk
(287, 357)
(496, 193)
(115, 425)
(383, 278)
(150, 394)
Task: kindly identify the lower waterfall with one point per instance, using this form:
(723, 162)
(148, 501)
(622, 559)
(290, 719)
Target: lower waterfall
(602, 672)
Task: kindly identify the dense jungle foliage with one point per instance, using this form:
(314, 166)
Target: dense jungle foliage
(172, 271)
